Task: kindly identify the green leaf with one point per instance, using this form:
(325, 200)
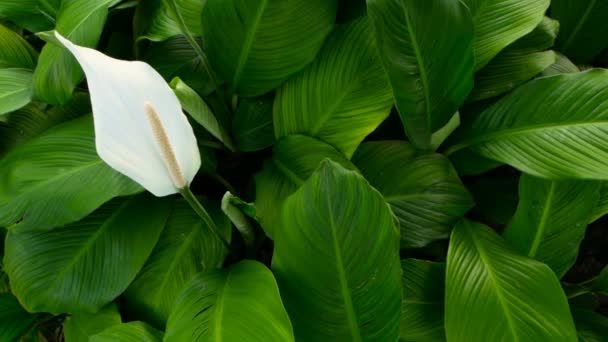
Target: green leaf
(333, 290)
(551, 220)
(81, 326)
(255, 45)
(584, 30)
(15, 52)
(58, 73)
(591, 326)
(57, 178)
(241, 303)
(155, 21)
(186, 247)
(15, 89)
(494, 294)
(85, 265)
(28, 14)
(562, 65)
(499, 23)
(601, 208)
(342, 97)
(294, 159)
(252, 125)
(129, 332)
(14, 320)
(200, 112)
(423, 285)
(424, 191)
(552, 127)
(236, 210)
(413, 50)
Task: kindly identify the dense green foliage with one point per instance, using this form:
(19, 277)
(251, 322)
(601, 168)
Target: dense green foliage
(383, 170)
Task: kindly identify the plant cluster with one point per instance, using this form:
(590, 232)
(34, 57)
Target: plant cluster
(350, 170)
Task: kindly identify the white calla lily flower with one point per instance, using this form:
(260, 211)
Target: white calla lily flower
(140, 129)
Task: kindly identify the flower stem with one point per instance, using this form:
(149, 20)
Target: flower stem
(200, 210)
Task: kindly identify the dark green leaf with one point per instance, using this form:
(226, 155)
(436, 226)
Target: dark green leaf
(255, 45)
(155, 21)
(81, 326)
(14, 320)
(241, 303)
(337, 264)
(252, 126)
(342, 97)
(551, 219)
(423, 285)
(85, 265)
(551, 127)
(294, 159)
(185, 248)
(57, 72)
(591, 326)
(15, 52)
(129, 332)
(424, 191)
(494, 294)
(413, 50)
(499, 23)
(601, 208)
(57, 178)
(30, 14)
(584, 30)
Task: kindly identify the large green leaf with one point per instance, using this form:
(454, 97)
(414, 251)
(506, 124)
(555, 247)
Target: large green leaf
(129, 332)
(337, 260)
(424, 191)
(185, 248)
(81, 326)
(551, 219)
(57, 178)
(518, 63)
(552, 127)
(591, 326)
(241, 303)
(342, 97)
(85, 265)
(154, 19)
(15, 89)
(414, 49)
(33, 15)
(494, 294)
(255, 45)
(14, 320)
(499, 23)
(252, 125)
(601, 208)
(58, 73)
(294, 159)
(15, 52)
(584, 30)
(423, 285)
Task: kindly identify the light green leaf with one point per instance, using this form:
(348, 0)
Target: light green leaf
(81, 326)
(15, 52)
(423, 285)
(83, 266)
(499, 23)
(194, 105)
(185, 248)
(14, 320)
(255, 45)
(294, 159)
(591, 326)
(584, 29)
(235, 209)
(413, 50)
(424, 191)
(494, 294)
(551, 220)
(552, 127)
(15, 89)
(30, 14)
(601, 208)
(57, 178)
(252, 125)
(57, 72)
(342, 97)
(241, 303)
(562, 65)
(333, 290)
(129, 332)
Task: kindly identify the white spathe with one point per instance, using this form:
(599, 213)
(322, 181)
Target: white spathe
(140, 129)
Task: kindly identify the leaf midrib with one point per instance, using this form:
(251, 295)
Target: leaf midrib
(579, 25)
(84, 19)
(219, 309)
(492, 278)
(542, 224)
(249, 38)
